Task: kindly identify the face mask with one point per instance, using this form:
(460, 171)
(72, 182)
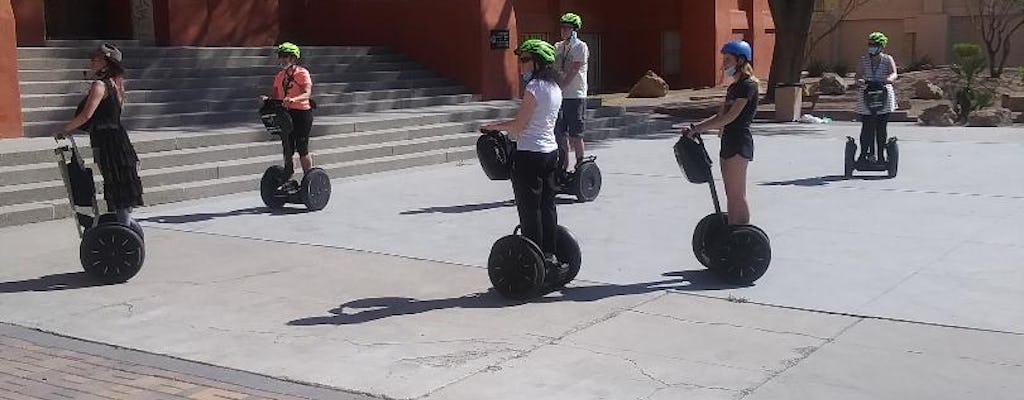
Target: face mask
(572, 36)
(731, 71)
(527, 76)
(874, 50)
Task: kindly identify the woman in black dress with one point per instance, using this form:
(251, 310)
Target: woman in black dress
(100, 115)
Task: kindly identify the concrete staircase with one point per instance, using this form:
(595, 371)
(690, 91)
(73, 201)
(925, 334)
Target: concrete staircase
(191, 113)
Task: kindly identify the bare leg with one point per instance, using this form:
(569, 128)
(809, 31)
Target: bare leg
(577, 147)
(734, 174)
(307, 162)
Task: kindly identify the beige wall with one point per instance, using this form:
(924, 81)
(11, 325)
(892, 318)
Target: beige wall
(915, 28)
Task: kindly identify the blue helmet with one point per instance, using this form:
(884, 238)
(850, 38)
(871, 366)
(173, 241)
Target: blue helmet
(739, 48)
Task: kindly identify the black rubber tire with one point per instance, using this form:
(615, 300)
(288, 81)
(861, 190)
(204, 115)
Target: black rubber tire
(516, 268)
(316, 189)
(703, 235)
(272, 179)
(893, 150)
(743, 256)
(112, 253)
(112, 218)
(588, 182)
(567, 249)
(850, 162)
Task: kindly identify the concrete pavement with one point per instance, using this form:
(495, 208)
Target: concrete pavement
(383, 292)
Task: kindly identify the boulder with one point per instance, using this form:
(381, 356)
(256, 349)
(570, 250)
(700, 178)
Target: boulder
(939, 115)
(991, 117)
(1014, 102)
(650, 85)
(830, 84)
(923, 89)
(1020, 118)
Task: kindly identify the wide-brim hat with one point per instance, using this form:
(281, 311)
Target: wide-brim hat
(110, 52)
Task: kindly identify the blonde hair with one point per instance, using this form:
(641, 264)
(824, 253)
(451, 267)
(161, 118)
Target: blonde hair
(748, 70)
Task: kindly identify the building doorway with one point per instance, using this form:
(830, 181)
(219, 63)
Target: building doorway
(88, 19)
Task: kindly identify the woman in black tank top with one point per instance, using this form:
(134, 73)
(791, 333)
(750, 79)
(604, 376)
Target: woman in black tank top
(100, 115)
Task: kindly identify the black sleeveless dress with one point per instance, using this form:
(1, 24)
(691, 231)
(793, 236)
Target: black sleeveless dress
(113, 152)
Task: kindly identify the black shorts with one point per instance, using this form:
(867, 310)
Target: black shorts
(734, 143)
(570, 118)
(302, 122)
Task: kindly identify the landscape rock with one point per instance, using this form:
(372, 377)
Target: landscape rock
(923, 89)
(991, 117)
(649, 86)
(939, 115)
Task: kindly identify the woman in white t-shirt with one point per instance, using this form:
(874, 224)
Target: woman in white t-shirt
(536, 158)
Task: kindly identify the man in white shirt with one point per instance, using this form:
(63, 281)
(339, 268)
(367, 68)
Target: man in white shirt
(571, 55)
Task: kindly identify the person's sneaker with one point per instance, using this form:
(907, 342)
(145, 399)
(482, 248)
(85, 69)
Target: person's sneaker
(553, 264)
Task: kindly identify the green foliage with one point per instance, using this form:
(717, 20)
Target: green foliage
(816, 68)
(970, 94)
(1020, 71)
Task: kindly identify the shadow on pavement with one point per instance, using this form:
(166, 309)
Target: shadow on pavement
(467, 208)
(48, 283)
(187, 218)
(371, 309)
(822, 180)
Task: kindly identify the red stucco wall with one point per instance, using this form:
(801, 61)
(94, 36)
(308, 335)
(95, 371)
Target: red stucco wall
(449, 37)
(216, 22)
(31, 24)
(10, 102)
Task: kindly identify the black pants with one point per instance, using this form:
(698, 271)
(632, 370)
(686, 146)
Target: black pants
(298, 140)
(533, 181)
(873, 134)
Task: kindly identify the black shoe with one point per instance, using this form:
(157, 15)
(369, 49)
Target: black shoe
(290, 187)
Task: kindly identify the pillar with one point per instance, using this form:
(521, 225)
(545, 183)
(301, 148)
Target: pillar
(142, 22)
(10, 102)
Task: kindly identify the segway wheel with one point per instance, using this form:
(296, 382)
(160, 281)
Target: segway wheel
(272, 179)
(316, 189)
(743, 255)
(893, 163)
(568, 251)
(112, 253)
(707, 229)
(132, 224)
(516, 267)
(588, 182)
(850, 159)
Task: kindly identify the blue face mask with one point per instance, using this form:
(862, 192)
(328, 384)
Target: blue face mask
(527, 76)
(731, 71)
(874, 50)
(573, 37)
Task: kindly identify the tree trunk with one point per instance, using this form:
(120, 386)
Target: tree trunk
(792, 22)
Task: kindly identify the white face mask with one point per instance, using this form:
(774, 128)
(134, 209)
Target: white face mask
(731, 71)
(874, 50)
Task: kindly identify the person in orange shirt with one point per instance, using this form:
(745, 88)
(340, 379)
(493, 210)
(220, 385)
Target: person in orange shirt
(294, 86)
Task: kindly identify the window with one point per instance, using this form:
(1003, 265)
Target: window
(670, 53)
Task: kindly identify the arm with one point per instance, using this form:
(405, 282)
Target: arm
(720, 120)
(305, 83)
(516, 125)
(860, 72)
(96, 93)
(892, 64)
(570, 74)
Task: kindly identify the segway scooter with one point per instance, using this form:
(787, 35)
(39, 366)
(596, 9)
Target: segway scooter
(495, 147)
(112, 251)
(516, 265)
(276, 189)
(738, 254)
(875, 97)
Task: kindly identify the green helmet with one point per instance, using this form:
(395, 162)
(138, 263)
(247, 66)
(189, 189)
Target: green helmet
(879, 37)
(288, 48)
(542, 51)
(572, 19)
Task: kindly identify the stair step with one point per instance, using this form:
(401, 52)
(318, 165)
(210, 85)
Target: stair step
(134, 64)
(81, 85)
(45, 128)
(29, 101)
(198, 52)
(261, 71)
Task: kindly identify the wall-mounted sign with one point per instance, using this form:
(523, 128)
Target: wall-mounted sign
(499, 39)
